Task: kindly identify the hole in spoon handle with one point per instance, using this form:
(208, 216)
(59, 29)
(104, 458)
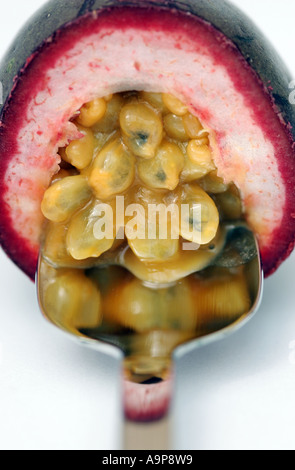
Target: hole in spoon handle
(147, 397)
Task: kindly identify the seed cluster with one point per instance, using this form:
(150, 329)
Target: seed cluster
(149, 149)
(146, 147)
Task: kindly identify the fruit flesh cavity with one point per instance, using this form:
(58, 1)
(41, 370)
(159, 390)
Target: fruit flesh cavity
(88, 202)
(155, 300)
(251, 141)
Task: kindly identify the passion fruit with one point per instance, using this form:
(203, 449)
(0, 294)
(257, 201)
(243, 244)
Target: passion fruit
(185, 103)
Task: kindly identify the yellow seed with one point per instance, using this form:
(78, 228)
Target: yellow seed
(162, 172)
(174, 105)
(186, 262)
(79, 153)
(192, 126)
(138, 307)
(65, 197)
(212, 183)
(203, 139)
(100, 141)
(92, 112)
(54, 248)
(63, 174)
(142, 129)
(108, 98)
(200, 154)
(221, 298)
(174, 127)
(229, 204)
(192, 171)
(146, 196)
(153, 232)
(110, 122)
(154, 99)
(199, 215)
(113, 170)
(156, 251)
(72, 301)
(92, 231)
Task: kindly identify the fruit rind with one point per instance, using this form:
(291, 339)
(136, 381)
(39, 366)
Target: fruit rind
(266, 70)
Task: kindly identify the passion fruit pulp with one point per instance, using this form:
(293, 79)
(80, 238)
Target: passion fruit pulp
(82, 202)
(152, 282)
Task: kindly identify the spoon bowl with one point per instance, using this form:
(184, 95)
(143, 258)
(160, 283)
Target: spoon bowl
(149, 348)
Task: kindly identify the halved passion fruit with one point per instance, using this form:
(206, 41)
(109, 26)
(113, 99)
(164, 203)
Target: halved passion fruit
(148, 105)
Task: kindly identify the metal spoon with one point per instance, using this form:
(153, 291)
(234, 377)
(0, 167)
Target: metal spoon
(148, 357)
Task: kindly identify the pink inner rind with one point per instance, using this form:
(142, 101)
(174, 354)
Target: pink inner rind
(146, 403)
(275, 246)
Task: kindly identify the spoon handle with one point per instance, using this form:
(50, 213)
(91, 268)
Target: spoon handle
(147, 410)
(148, 436)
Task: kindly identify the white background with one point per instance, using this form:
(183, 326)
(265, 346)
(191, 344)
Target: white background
(236, 394)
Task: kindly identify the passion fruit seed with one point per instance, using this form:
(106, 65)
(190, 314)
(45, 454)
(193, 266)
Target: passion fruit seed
(79, 153)
(192, 126)
(92, 112)
(193, 171)
(174, 269)
(65, 197)
(174, 128)
(63, 174)
(110, 121)
(109, 97)
(229, 204)
(154, 250)
(72, 300)
(157, 242)
(142, 129)
(174, 105)
(200, 155)
(55, 248)
(136, 306)
(211, 297)
(212, 183)
(163, 171)
(199, 224)
(155, 100)
(113, 170)
(83, 238)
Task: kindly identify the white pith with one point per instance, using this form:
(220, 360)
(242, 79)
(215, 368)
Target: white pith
(115, 61)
